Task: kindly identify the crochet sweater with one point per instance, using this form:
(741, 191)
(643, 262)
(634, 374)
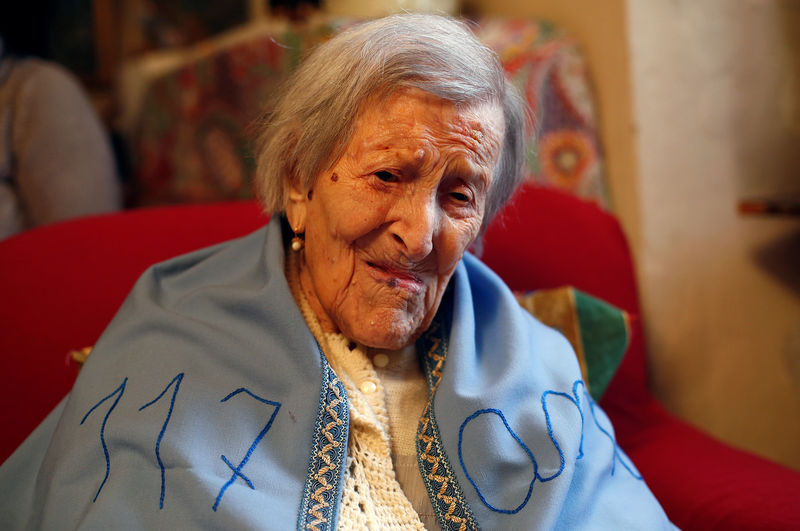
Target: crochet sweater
(381, 472)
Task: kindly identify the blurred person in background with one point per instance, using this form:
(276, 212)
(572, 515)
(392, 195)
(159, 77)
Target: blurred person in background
(56, 160)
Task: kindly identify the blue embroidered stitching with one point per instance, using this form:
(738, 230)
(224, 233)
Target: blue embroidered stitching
(576, 401)
(177, 381)
(451, 507)
(325, 464)
(617, 454)
(121, 391)
(237, 471)
(524, 447)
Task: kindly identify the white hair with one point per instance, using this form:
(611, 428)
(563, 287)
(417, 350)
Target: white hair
(312, 123)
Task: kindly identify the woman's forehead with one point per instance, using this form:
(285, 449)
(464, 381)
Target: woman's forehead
(409, 116)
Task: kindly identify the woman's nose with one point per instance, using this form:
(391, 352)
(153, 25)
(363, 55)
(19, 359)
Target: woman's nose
(414, 227)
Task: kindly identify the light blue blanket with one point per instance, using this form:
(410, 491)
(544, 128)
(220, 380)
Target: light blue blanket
(208, 404)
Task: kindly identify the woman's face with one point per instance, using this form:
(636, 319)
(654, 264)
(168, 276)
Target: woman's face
(386, 227)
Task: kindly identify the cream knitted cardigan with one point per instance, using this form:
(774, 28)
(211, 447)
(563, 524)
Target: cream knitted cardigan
(372, 497)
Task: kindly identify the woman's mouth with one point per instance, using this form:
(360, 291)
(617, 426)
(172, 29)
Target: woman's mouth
(395, 278)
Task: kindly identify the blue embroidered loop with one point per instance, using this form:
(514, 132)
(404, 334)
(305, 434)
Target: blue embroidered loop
(574, 399)
(519, 441)
(552, 435)
(580, 383)
(177, 381)
(120, 390)
(237, 470)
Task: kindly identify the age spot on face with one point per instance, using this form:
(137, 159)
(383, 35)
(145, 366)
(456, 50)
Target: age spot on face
(334, 177)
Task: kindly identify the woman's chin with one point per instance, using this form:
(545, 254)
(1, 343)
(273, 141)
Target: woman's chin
(388, 332)
(383, 340)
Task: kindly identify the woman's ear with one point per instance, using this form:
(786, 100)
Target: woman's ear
(297, 209)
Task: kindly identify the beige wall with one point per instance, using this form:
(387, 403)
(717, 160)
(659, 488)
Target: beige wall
(716, 96)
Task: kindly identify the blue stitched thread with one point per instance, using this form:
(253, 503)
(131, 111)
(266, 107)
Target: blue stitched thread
(237, 472)
(580, 410)
(616, 455)
(120, 390)
(524, 447)
(574, 399)
(551, 434)
(177, 381)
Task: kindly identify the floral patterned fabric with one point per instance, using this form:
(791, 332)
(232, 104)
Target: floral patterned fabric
(193, 139)
(549, 70)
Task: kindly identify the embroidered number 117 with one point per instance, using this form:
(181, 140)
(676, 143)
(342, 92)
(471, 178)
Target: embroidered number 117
(175, 385)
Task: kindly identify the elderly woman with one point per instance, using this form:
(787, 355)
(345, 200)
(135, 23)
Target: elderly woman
(348, 366)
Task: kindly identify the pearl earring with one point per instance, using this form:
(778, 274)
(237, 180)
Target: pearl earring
(297, 241)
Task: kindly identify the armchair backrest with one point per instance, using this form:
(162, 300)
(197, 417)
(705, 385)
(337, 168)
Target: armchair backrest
(61, 284)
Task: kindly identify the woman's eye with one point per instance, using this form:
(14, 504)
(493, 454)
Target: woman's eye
(385, 176)
(460, 197)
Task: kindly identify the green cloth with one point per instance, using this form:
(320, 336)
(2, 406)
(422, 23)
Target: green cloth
(598, 331)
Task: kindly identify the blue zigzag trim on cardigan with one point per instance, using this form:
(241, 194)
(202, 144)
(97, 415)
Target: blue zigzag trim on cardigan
(447, 498)
(319, 507)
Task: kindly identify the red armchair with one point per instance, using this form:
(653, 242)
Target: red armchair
(61, 284)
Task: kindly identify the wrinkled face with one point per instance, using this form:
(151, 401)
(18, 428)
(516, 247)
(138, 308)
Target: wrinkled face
(387, 225)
